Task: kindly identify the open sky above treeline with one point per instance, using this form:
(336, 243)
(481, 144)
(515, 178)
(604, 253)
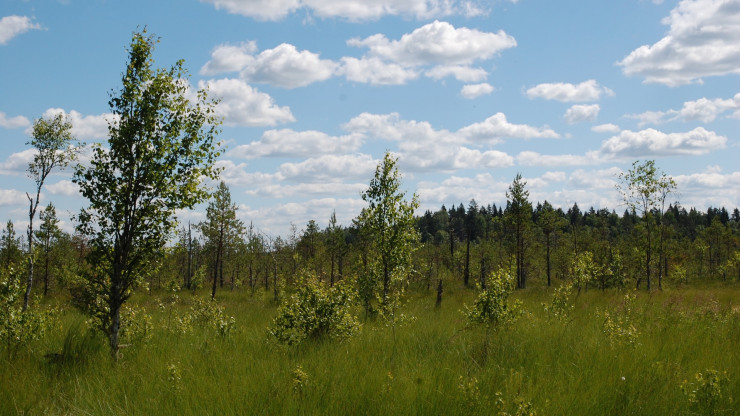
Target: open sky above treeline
(465, 93)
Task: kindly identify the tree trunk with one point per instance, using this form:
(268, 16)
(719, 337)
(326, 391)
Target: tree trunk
(466, 273)
(439, 294)
(547, 259)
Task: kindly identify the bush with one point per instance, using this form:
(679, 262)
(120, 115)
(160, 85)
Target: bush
(315, 311)
(491, 308)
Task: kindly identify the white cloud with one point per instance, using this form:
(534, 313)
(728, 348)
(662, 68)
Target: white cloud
(330, 168)
(391, 127)
(17, 163)
(651, 142)
(473, 158)
(10, 197)
(307, 190)
(290, 143)
(606, 128)
(64, 187)
(460, 72)
(230, 58)
(497, 127)
(375, 71)
(353, 10)
(437, 43)
(580, 113)
(585, 91)
(284, 66)
(12, 26)
(472, 91)
(258, 9)
(85, 127)
(703, 109)
(701, 42)
(13, 122)
(649, 117)
(484, 188)
(530, 158)
(236, 175)
(242, 105)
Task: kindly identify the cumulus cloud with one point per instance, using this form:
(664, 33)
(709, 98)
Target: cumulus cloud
(230, 58)
(472, 91)
(12, 26)
(606, 128)
(353, 10)
(483, 187)
(285, 66)
(496, 127)
(701, 42)
(85, 127)
(64, 187)
(530, 158)
(651, 142)
(473, 158)
(242, 105)
(437, 43)
(375, 71)
(17, 163)
(10, 197)
(704, 110)
(391, 127)
(585, 91)
(291, 143)
(580, 113)
(459, 72)
(234, 174)
(13, 122)
(329, 168)
(307, 190)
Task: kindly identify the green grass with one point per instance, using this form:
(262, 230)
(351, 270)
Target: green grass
(560, 368)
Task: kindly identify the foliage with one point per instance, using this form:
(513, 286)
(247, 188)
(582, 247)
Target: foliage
(492, 308)
(161, 147)
(19, 327)
(560, 307)
(618, 325)
(315, 311)
(388, 222)
(300, 380)
(519, 215)
(708, 392)
(52, 141)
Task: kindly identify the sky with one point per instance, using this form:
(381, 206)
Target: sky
(466, 94)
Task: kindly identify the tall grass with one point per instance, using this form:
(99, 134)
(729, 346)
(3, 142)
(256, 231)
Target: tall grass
(435, 364)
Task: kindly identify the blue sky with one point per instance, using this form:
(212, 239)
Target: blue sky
(465, 93)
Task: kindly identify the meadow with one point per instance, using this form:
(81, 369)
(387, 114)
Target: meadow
(669, 352)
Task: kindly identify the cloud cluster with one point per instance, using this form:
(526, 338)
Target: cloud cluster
(12, 26)
(84, 127)
(581, 112)
(565, 92)
(651, 142)
(704, 110)
(353, 10)
(437, 49)
(701, 42)
(242, 105)
(13, 122)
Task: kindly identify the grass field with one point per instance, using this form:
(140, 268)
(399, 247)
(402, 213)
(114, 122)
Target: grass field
(433, 365)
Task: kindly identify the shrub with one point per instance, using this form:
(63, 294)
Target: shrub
(491, 308)
(315, 311)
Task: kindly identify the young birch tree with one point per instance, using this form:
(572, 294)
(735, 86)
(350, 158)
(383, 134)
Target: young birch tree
(159, 150)
(52, 140)
(388, 221)
(644, 188)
